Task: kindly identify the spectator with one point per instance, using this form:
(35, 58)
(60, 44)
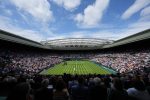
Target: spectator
(21, 92)
(80, 91)
(44, 93)
(98, 90)
(139, 91)
(60, 92)
(116, 92)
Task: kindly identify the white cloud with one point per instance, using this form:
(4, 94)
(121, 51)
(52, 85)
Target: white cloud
(68, 4)
(85, 34)
(8, 12)
(92, 14)
(131, 29)
(140, 24)
(122, 33)
(145, 11)
(104, 34)
(39, 9)
(135, 7)
(9, 25)
(77, 34)
(113, 34)
(109, 33)
(145, 14)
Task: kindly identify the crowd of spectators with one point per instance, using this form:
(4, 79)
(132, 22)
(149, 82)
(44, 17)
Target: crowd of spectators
(125, 61)
(32, 63)
(24, 84)
(25, 62)
(73, 87)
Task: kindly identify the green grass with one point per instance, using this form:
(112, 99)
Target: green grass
(76, 67)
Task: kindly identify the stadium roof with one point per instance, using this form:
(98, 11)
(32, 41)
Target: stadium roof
(75, 43)
(130, 39)
(18, 39)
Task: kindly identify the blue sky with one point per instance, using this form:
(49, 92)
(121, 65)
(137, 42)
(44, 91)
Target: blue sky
(54, 19)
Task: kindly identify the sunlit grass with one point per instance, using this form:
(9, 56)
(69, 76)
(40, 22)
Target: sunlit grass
(76, 67)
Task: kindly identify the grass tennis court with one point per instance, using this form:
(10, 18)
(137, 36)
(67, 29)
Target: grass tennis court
(76, 67)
